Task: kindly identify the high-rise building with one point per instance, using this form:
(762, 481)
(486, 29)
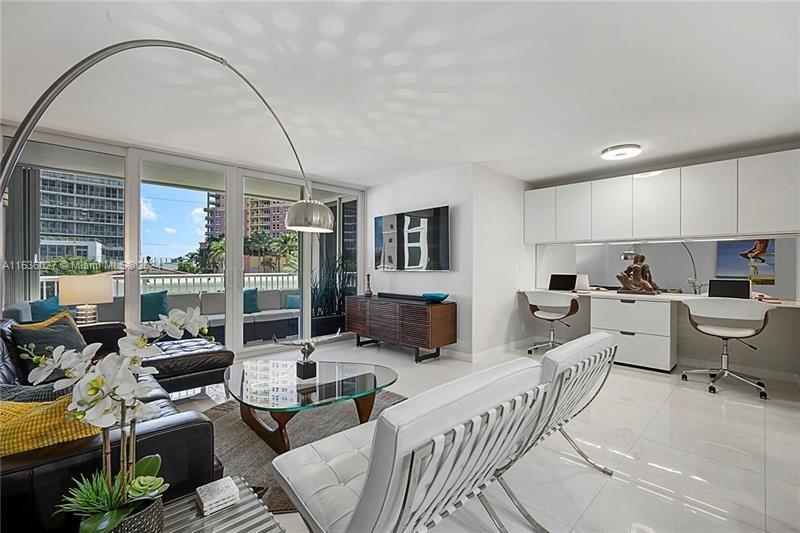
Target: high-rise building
(260, 216)
(81, 216)
(215, 215)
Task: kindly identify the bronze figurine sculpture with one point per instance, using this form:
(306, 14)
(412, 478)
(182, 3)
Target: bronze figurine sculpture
(637, 278)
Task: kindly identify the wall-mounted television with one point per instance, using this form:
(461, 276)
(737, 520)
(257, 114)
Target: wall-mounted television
(413, 240)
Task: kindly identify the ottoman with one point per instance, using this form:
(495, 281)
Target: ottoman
(190, 363)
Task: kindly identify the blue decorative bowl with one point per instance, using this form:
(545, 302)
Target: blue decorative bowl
(435, 297)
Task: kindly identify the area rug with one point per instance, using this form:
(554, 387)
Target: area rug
(244, 453)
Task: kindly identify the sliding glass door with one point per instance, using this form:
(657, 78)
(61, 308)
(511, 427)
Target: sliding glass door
(271, 262)
(182, 250)
(334, 262)
(64, 216)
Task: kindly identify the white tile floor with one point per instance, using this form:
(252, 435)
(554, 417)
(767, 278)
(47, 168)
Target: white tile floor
(684, 460)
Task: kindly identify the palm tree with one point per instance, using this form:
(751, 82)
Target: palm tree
(216, 254)
(285, 246)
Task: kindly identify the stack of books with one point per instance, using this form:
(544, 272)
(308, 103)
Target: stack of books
(217, 495)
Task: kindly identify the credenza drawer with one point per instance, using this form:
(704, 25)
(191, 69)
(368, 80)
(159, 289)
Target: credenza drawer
(638, 316)
(641, 349)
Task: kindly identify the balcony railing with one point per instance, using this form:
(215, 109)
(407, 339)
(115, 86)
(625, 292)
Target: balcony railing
(186, 283)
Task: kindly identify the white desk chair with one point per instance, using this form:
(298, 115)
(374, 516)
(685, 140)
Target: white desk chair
(553, 307)
(728, 319)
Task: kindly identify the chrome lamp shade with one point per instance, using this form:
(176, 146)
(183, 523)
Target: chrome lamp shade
(309, 216)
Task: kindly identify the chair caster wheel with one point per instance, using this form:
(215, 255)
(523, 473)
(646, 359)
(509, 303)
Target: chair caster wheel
(760, 384)
(712, 389)
(762, 395)
(712, 376)
(684, 377)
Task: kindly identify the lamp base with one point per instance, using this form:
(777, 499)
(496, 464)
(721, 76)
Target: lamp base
(87, 314)
(306, 369)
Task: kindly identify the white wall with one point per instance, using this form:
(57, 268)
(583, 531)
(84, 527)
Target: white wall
(454, 187)
(503, 264)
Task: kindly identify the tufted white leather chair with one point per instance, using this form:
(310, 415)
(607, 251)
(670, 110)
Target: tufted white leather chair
(424, 457)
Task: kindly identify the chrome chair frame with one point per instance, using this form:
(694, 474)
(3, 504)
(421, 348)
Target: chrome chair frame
(458, 465)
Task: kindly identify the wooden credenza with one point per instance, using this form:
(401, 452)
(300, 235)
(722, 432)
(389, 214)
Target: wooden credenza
(412, 323)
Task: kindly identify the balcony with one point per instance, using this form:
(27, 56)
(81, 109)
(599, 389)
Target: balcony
(186, 283)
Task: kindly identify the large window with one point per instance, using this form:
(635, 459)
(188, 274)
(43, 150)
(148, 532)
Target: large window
(271, 263)
(334, 263)
(64, 216)
(182, 239)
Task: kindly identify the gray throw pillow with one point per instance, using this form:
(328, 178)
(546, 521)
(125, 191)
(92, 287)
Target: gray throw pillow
(61, 331)
(28, 393)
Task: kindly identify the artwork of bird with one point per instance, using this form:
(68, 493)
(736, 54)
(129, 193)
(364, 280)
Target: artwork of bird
(757, 252)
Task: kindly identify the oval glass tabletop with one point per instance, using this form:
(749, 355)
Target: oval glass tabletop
(272, 385)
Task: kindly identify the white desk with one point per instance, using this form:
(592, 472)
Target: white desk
(644, 326)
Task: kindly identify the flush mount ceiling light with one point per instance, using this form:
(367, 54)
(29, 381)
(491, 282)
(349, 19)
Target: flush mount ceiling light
(305, 215)
(621, 151)
(648, 174)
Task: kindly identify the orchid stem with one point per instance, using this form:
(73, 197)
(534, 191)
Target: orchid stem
(107, 456)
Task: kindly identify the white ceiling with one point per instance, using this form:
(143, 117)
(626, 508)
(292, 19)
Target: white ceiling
(374, 91)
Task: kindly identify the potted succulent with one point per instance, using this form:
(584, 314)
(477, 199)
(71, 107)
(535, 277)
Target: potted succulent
(104, 394)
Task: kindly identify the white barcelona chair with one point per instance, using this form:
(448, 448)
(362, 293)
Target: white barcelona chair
(423, 458)
(728, 319)
(553, 307)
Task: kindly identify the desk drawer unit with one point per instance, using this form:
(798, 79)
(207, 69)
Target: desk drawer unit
(645, 331)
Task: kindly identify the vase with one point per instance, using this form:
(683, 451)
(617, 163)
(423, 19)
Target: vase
(148, 520)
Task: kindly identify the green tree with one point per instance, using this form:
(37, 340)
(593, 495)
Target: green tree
(70, 265)
(216, 255)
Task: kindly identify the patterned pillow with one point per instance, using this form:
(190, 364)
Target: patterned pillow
(32, 425)
(31, 393)
(55, 331)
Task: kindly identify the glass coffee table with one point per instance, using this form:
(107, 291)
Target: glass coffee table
(272, 386)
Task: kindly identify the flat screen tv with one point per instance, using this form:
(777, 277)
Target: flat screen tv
(413, 240)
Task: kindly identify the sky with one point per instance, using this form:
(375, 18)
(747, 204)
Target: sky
(173, 220)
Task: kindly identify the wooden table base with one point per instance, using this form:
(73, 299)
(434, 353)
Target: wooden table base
(278, 438)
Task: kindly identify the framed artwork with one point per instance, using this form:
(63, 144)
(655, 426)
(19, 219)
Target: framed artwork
(750, 259)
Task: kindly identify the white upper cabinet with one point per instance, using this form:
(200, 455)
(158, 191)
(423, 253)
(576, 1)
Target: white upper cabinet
(540, 215)
(612, 208)
(769, 193)
(708, 199)
(657, 205)
(574, 212)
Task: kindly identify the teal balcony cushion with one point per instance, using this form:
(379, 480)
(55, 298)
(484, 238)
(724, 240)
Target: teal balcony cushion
(251, 301)
(154, 304)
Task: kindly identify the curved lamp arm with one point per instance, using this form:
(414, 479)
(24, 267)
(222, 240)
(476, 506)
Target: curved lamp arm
(12, 154)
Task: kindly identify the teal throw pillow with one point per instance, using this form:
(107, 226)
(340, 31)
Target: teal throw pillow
(292, 301)
(251, 301)
(44, 309)
(154, 304)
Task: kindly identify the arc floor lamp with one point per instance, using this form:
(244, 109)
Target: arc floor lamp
(306, 215)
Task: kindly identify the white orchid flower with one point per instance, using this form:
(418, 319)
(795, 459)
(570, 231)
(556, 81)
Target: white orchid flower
(101, 414)
(194, 321)
(136, 367)
(49, 364)
(143, 330)
(75, 365)
(173, 323)
(138, 347)
(141, 411)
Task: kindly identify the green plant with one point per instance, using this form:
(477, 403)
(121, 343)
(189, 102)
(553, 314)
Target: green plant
(103, 507)
(329, 286)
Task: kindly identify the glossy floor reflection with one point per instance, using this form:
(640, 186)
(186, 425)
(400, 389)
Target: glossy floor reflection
(685, 460)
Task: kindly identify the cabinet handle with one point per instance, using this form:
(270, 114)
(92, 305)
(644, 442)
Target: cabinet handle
(628, 301)
(629, 333)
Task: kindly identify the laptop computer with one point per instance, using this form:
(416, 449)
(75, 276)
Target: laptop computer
(562, 282)
(729, 288)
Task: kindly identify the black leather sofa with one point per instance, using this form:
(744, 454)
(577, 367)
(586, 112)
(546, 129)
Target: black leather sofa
(32, 483)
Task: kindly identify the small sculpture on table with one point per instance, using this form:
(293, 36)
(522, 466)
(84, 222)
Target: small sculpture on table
(306, 368)
(637, 278)
(368, 292)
